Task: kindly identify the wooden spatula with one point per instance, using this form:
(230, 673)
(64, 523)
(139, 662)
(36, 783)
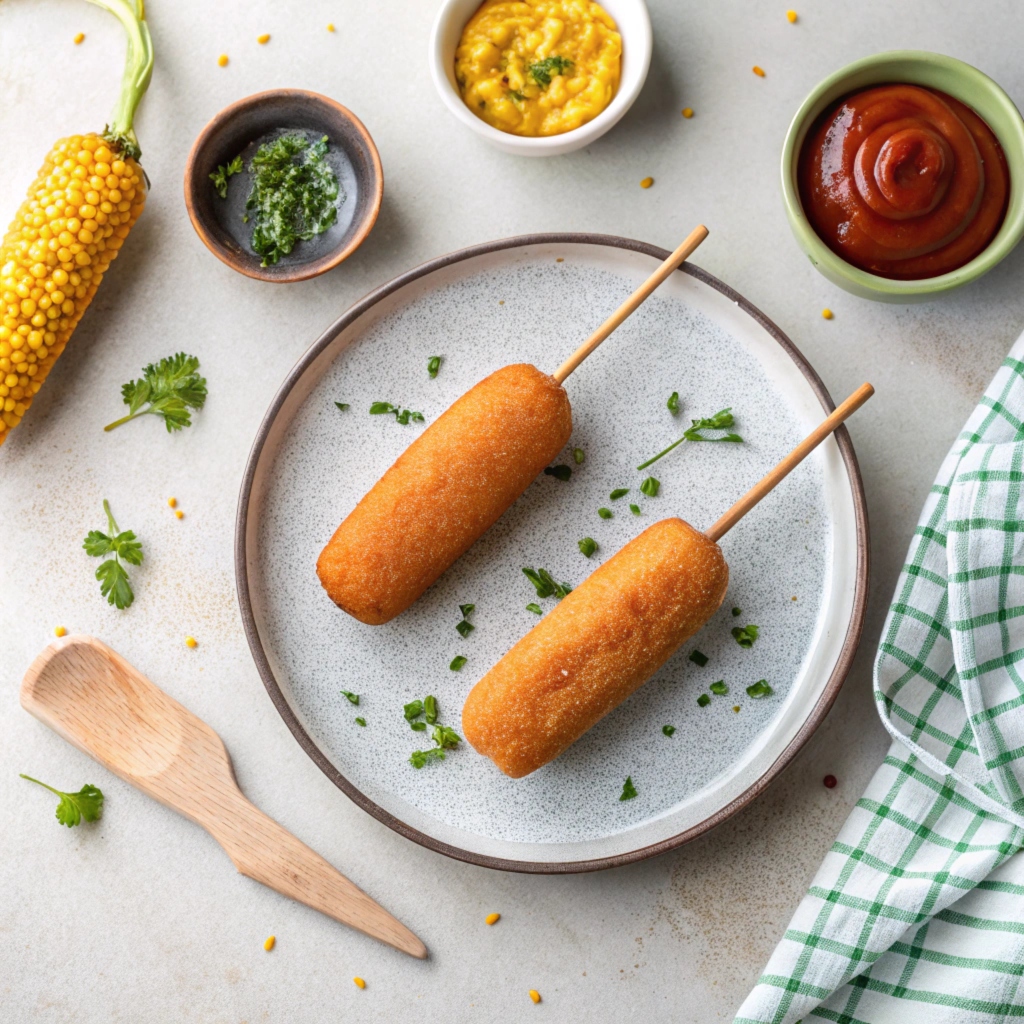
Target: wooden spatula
(92, 697)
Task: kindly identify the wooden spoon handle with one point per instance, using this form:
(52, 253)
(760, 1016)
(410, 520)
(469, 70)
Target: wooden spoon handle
(263, 850)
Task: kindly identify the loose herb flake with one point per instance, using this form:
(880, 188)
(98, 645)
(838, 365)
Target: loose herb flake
(433, 365)
(353, 698)
(465, 628)
(650, 487)
(419, 758)
(760, 689)
(619, 492)
(719, 688)
(698, 658)
(587, 546)
(545, 584)
(559, 472)
(535, 608)
(418, 726)
(703, 700)
(628, 789)
(737, 612)
(668, 729)
(722, 420)
(223, 172)
(635, 509)
(402, 416)
(579, 456)
(361, 721)
(413, 710)
(542, 70)
(605, 513)
(430, 709)
(673, 403)
(467, 610)
(745, 635)
(343, 406)
(457, 662)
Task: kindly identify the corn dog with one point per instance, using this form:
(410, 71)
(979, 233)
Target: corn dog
(448, 487)
(596, 647)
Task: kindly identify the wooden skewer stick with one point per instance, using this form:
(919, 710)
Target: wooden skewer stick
(789, 463)
(695, 237)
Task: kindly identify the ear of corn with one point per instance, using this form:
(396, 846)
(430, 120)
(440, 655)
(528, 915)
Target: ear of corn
(76, 216)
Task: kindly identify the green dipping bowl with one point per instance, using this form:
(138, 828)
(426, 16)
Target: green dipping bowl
(932, 70)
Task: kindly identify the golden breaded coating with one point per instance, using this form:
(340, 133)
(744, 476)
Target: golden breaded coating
(448, 487)
(596, 647)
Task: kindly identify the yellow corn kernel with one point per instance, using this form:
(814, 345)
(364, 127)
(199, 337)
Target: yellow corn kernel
(758, 71)
(263, 39)
(534, 995)
(492, 918)
(173, 502)
(222, 60)
(791, 17)
(178, 514)
(79, 38)
(359, 982)
(51, 261)
(330, 26)
(736, 708)
(190, 641)
(647, 183)
(269, 944)
(59, 631)
(827, 314)
(687, 112)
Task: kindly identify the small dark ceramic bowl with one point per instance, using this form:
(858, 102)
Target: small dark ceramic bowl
(237, 129)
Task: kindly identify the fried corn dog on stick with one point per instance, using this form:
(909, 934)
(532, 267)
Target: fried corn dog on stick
(458, 478)
(613, 632)
(596, 647)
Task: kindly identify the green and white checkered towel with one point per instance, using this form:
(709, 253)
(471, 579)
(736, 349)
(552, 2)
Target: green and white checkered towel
(916, 915)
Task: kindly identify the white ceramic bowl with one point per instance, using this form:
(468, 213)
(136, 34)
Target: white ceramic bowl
(635, 27)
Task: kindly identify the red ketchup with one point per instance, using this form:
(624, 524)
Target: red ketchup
(903, 182)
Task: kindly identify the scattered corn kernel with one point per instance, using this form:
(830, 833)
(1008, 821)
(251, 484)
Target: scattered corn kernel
(791, 17)
(359, 982)
(534, 995)
(647, 183)
(80, 38)
(263, 39)
(687, 112)
(758, 71)
(492, 918)
(330, 26)
(59, 631)
(190, 641)
(827, 314)
(178, 514)
(173, 502)
(222, 60)
(269, 944)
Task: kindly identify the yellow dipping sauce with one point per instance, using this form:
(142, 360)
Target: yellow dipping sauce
(538, 67)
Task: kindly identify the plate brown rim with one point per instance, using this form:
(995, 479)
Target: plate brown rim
(814, 719)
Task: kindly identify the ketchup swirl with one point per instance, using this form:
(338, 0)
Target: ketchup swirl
(903, 182)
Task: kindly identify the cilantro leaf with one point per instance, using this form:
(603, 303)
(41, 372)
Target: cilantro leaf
(169, 389)
(86, 804)
(419, 758)
(114, 583)
(628, 789)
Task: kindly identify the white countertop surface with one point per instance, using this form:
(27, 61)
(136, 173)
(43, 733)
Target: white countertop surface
(141, 918)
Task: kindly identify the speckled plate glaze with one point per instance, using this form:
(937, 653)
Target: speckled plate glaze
(798, 562)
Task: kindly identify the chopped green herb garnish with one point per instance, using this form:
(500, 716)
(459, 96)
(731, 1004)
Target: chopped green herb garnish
(465, 628)
(535, 608)
(619, 492)
(668, 729)
(223, 172)
(430, 709)
(343, 406)
(698, 658)
(413, 710)
(402, 416)
(737, 612)
(418, 726)
(722, 420)
(433, 365)
(650, 487)
(760, 689)
(559, 472)
(291, 200)
(587, 545)
(445, 737)
(745, 635)
(605, 513)
(517, 96)
(628, 789)
(113, 577)
(86, 804)
(719, 688)
(545, 585)
(635, 509)
(467, 610)
(457, 662)
(542, 70)
(353, 698)
(419, 758)
(703, 700)
(361, 721)
(578, 456)
(673, 403)
(169, 389)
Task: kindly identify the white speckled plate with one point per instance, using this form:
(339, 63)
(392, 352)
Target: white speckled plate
(798, 562)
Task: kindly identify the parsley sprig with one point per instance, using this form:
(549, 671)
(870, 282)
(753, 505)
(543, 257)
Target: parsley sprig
(722, 420)
(86, 804)
(114, 583)
(168, 389)
(223, 172)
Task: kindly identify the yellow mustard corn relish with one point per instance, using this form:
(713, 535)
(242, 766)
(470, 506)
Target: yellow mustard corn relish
(538, 67)
(76, 216)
